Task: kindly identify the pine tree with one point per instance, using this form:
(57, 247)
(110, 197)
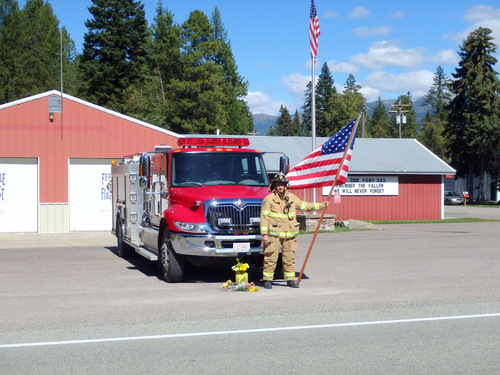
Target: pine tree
(11, 51)
(438, 97)
(30, 47)
(197, 96)
(148, 100)
(113, 51)
(238, 114)
(325, 90)
(473, 129)
(432, 135)
(379, 121)
(306, 123)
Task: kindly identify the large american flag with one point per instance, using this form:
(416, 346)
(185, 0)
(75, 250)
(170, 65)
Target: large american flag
(313, 30)
(320, 167)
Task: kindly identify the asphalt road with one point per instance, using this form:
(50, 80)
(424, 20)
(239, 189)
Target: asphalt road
(406, 299)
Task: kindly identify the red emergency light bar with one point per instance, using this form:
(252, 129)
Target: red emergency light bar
(212, 142)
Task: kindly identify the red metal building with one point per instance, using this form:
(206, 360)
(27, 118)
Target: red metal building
(56, 150)
(55, 161)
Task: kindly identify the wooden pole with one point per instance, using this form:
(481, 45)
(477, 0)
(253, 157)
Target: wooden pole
(323, 211)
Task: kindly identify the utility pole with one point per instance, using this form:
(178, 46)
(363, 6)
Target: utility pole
(400, 117)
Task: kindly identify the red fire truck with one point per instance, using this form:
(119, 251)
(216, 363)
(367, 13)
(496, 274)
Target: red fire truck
(195, 205)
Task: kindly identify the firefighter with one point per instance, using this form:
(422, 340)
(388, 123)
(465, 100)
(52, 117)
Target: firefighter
(279, 227)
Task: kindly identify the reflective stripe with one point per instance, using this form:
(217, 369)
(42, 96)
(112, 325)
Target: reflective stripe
(303, 206)
(264, 228)
(283, 234)
(288, 274)
(266, 212)
(269, 274)
(316, 206)
(284, 216)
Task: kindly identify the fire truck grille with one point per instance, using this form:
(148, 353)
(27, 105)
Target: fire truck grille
(233, 218)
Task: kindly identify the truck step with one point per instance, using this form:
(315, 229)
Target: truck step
(146, 253)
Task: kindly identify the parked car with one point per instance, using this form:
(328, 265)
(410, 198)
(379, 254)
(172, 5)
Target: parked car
(450, 197)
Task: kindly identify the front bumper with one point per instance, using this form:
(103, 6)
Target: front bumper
(217, 245)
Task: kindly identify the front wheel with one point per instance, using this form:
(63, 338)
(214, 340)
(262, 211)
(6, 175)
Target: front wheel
(171, 264)
(123, 249)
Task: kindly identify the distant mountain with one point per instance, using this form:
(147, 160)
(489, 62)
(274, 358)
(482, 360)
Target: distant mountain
(262, 122)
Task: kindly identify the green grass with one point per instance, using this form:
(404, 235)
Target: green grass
(455, 220)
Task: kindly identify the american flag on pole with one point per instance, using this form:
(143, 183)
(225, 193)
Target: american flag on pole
(320, 167)
(313, 30)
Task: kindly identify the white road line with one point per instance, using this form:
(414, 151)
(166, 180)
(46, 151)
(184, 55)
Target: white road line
(246, 331)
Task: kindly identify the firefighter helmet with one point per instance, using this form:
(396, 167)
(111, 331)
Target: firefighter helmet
(279, 177)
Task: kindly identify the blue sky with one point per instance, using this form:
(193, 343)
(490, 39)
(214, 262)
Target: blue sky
(390, 47)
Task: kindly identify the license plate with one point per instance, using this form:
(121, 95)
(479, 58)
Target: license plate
(241, 246)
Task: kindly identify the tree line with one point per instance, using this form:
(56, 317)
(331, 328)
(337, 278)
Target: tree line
(180, 77)
(184, 77)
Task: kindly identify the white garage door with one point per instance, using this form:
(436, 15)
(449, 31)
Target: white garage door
(18, 195)
(89, 194)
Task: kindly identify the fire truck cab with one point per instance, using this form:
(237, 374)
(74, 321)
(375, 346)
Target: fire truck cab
(194, 205)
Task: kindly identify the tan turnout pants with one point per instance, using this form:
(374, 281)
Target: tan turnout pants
(271, 252)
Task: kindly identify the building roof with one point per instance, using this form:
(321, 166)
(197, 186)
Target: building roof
(88, 104)
(370, 156)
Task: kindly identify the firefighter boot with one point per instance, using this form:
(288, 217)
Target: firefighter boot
(292, 284)
(268, 284)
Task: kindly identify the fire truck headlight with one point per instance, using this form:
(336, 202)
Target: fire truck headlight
(190, 227)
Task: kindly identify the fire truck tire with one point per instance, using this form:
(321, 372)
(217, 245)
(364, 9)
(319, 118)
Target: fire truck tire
(171, 264)
(123, 249)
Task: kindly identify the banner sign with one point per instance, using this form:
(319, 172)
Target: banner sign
(366, 185)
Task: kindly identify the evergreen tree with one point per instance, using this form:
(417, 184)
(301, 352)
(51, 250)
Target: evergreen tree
(351, 85)
(238, 114)
(113, 51)
(148, 100)
(30, 49)
(198, 97)
(473, 129)
(325, 90)
(296, 126)
(11, 51)
(378, 124)
(306, 123)
(284, 125)
(438, 97)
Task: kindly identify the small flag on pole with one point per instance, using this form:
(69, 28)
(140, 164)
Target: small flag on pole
(320, 167)
(313, 30)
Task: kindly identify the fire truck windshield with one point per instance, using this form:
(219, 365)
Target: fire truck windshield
(218, 168)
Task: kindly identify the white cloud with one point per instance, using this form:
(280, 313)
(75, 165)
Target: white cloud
(398, 14)
(385, 53)
(330, 14)
(445, 57)
(371, 94)
(342, 68)
(479, 16)
(416, 82)
(364, 31)
(359, 12)
(259, 102)
(296, 84)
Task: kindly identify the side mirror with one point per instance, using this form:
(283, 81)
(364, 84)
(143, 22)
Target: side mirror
(144, 163)
(144, 182)
(284, 164)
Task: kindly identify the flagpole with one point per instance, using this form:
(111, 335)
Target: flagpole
(313, 115)
(323, 211)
